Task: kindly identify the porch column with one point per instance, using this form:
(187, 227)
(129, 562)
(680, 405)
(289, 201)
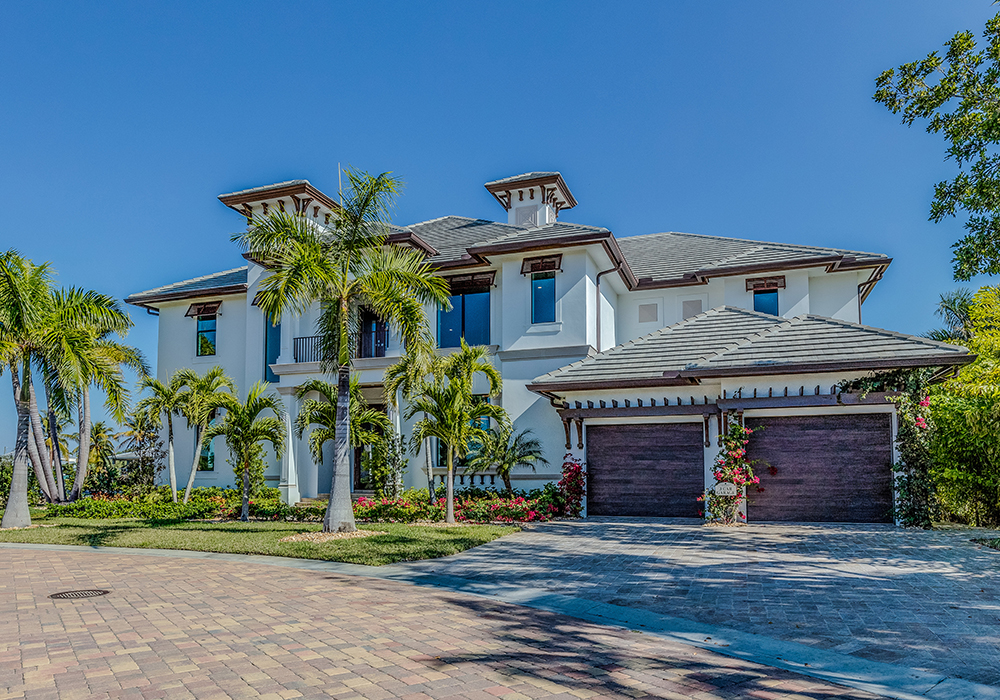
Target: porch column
(289, 483)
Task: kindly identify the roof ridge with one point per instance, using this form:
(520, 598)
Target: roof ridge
(797, 246)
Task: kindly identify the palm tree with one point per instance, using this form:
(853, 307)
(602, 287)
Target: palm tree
(25, 300)
(88, 356)
(366, 424)
(406, 377)
(345, 270)
(199, 404)
(165, 401)
(503, 450)
(953, 309)
(102, 458)
(453, 414)
(244, 429)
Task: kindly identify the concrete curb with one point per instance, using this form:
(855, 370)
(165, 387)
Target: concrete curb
(889, 680)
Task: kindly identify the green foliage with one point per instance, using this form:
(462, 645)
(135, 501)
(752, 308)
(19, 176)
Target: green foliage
(100, 508)
(916, 501)
(958, 95)
(255, 466)
(386, 463)
(502, 450)
(966, 449)
(954, 309)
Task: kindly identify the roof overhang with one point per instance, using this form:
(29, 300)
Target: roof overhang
(297, 192)
(147, 302)
(501, 190)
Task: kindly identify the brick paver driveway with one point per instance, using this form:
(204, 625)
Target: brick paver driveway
(927, 600)
(188, 628)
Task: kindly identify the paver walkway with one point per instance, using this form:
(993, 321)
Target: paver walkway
(188, 628)
(927, 600)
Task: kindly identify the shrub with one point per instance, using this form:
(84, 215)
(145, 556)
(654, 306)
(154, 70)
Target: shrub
(731, 467)
(105, 508)
(573, 486)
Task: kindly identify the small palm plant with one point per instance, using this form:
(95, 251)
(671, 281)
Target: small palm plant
(501, 449)
(164, 402)
(244, 428)
(367, 424)
(199, 403)
(452, 413)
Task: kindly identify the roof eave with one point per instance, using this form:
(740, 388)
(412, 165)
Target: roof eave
(581, 385)
(235, 199)
(818, 367)
(144, 301)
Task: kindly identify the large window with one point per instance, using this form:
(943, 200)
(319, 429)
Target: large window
(374, 335)
(272, 348)
(766, 301)
(206, 335)
(543, 297)
(468, 318)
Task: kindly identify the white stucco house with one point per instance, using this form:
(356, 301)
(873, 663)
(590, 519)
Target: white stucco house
(631, 352)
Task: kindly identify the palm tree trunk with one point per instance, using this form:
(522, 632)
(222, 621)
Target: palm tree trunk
(506, 482)
(340, 510)
(245, 513)
(38, 432)
(83, 453)
(170, 458)
(17, 514)
(450, 488)
(56, 454)
(430, 466)
(197, 460)
(30, 446)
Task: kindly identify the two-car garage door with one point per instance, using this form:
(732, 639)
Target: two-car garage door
(832, 468)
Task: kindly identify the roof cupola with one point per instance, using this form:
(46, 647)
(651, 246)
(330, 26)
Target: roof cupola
(532, 199)
(298, 196)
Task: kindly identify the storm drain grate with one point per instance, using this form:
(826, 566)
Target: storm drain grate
(92, 593)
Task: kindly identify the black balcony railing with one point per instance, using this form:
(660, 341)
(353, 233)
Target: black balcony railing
(372, 343)
(306, 349)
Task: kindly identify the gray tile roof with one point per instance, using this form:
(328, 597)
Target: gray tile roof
(554, 230)
(452, 236)
(522, 177)
(731, 341)
(671, 256)
(199, 286)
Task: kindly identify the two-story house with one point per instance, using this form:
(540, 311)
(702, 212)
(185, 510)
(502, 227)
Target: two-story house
(632, 353)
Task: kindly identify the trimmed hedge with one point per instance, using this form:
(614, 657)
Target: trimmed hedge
(92, 508)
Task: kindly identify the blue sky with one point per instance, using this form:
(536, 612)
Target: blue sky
(121, 122)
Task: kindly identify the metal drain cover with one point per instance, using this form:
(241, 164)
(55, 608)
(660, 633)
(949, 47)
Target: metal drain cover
(68, 595)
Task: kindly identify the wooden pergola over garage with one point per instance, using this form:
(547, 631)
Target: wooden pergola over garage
(648, 415)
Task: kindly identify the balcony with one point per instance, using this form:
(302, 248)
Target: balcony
(371, 343)
(306, 349)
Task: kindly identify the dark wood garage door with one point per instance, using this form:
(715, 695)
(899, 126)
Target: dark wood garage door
(651, 469)
(826, 469)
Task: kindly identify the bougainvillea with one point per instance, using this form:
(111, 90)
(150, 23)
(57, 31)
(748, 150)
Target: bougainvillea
(573, 485)
(731, 467)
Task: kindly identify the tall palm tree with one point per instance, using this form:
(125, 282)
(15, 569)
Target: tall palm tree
(165, 401)
(503, 450)
(366, 424)
(344, 269)
(244, 429)
(25, 301)
(453, 414)
(198, 405)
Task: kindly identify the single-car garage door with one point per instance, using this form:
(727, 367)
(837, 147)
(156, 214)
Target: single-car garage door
(654, 469)
(822, 469)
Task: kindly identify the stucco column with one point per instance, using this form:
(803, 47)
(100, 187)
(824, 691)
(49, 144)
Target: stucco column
(289, 483)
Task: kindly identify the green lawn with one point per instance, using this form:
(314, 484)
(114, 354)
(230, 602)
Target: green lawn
(401, 542)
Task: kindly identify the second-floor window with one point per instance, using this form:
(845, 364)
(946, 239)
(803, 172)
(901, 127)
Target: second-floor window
(374, 335)
(272, 348)
(468, 318)
(766, 301)
(543, 297)
(206, 335)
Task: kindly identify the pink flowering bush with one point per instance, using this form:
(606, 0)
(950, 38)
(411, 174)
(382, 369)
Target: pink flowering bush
(516, 509)
(731, 466)
(573, 485)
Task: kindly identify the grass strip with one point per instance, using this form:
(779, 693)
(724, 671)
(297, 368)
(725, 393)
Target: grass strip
(401, 542)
